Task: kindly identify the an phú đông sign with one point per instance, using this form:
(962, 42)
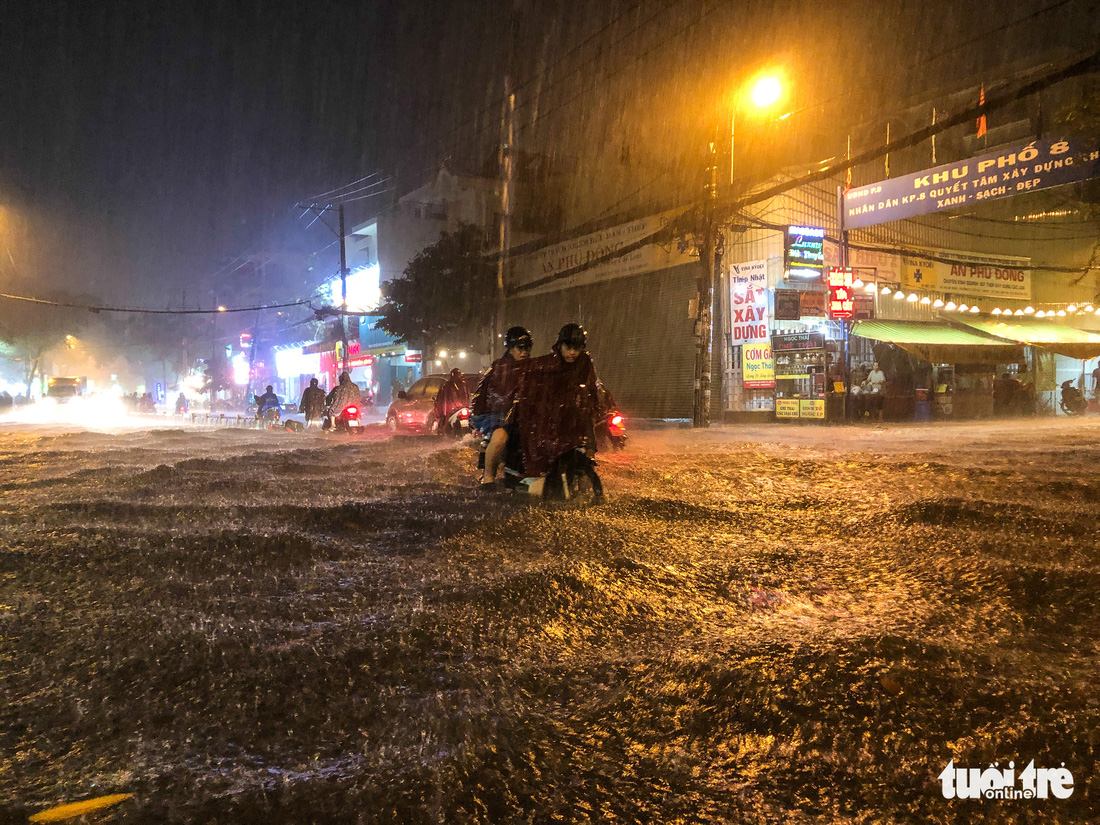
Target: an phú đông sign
(1040, 164)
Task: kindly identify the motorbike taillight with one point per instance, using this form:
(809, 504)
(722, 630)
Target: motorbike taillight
(352, 411)
(464, 413)
(617, 420)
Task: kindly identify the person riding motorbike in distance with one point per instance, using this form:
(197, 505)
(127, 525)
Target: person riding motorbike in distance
(493, 397)
(312, 404)
(269, 400)
(557, 404)
(452, 396)
(344, 393)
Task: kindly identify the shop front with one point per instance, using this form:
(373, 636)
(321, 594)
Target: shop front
(800, 373)
(932, 369)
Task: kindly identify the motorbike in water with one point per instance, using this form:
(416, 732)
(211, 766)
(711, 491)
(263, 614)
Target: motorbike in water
(268, 418)
(1072, 401)
(456, 425)
(348, 420)
(572, 475)
(612, 431)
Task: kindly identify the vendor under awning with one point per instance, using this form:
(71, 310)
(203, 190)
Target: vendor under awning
(940, 343)
(1057, 338)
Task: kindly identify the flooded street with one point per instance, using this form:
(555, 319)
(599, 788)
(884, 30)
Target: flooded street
(763, 624)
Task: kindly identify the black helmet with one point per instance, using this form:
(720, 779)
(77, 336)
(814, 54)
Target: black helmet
(313, 382)
(270, 388)
(518, 337)
(572, 335)
(344, 377)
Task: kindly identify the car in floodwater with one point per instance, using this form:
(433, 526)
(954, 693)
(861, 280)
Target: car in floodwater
(413, 409)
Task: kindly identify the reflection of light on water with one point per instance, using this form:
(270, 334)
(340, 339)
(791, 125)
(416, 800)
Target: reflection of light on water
(97, 412)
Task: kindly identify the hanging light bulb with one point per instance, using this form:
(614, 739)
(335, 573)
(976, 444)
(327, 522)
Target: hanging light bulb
(925, 301)
(975, 308)
(1018, 312)
(1088, 308)
(1097, 311)
(871, 287)
(950, 306)
(1040, 314)
(912, 298)
(1061, 313)
(937, 303)
(1071, 308)
(996, 310)
(963, 308)
(886, 290)
(857, 283)
(1029, 311)
(899, 296)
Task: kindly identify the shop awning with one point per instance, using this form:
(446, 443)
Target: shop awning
(1068, 341)
(940, 343)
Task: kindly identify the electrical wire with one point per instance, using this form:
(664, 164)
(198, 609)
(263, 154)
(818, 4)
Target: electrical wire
(145, 311)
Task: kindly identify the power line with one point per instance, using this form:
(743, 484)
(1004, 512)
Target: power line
(145, 311)
(324, 195)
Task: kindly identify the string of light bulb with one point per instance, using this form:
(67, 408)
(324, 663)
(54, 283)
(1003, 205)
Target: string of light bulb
(947, 305)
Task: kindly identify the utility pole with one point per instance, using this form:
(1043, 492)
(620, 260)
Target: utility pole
(704, 317)
(505, 164)
(320, 209)
(343, 289)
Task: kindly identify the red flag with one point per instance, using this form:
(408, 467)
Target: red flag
(848, 174)
(981, 120)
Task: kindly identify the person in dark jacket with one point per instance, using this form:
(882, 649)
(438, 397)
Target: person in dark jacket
(312, 405)
(452, 396)
(557, 402)
(493, 397)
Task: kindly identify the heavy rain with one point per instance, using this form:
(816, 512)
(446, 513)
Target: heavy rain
(681, 411)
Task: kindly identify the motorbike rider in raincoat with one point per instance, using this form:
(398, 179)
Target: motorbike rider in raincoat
(557, 404)
(452, 396)
(312, 405)
(269, 400)
(493, 398)
(344, 393)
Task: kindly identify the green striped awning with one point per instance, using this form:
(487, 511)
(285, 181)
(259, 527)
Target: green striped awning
(1068, 341)
(940, 343)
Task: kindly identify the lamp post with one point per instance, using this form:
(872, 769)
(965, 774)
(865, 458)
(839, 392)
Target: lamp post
(763, 93)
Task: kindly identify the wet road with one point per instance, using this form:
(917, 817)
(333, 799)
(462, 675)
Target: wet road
(770, 623)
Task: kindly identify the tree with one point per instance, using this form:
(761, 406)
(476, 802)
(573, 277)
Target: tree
(28, 331)
(447, 289)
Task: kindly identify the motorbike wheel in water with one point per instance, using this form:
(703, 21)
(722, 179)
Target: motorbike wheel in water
(573, 477)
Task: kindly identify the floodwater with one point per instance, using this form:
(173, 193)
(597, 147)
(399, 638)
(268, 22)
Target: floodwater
(764, 624)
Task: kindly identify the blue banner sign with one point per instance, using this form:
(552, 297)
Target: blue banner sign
(1040, 164)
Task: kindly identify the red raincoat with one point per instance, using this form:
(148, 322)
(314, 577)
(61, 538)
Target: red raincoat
(557, 405)
(497, 387)
(452, 396)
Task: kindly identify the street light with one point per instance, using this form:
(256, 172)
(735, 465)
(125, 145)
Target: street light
(763, 93)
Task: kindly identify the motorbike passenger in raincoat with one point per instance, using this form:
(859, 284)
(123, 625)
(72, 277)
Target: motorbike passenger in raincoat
(557, 403)
(452, 396)
(344, 393)
(494, 394)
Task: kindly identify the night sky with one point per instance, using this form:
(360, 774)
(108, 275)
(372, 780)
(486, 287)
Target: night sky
(144, 145)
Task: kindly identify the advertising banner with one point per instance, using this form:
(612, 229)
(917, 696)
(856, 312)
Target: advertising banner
(787, 305)
(749, 325)
(575, 252)
(811, 304)
(995, 276)
(1040, 164)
